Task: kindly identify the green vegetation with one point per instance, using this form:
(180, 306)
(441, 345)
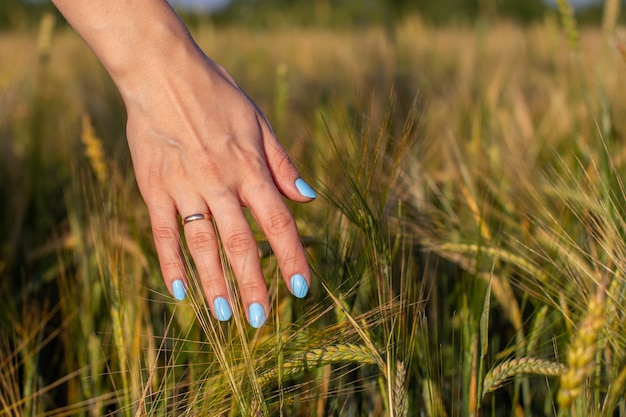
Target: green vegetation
(468, 245)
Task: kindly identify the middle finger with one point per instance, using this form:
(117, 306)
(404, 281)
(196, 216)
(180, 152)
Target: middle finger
(242, 252)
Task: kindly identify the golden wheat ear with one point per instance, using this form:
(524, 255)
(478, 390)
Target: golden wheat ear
(582, 351)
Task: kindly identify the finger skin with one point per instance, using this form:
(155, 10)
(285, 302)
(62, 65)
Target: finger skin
(203, 245)
(167, 242)
(279, 227)
(241, 250)
(274, 217)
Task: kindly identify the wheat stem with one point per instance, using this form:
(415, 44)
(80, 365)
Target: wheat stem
(610, 16)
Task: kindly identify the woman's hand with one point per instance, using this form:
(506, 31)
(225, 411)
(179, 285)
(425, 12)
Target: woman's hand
(199, 145)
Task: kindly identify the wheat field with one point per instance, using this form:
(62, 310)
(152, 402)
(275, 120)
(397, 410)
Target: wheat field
(468, 246)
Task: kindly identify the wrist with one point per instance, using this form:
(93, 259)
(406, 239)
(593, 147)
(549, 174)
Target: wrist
(153, 56)
(149, 47)
(134, 40)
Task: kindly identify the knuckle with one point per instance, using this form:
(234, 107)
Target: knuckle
(284, 162)
(279, 221)
(279, 158)
(211, 170)
(150, 183)
(211, 283)
(252, 164)
(202, 241)
(212, 280)
(153, 181)
(171, 267)
(240, 243)
(164, 233)
(256, 290)
(289, 263)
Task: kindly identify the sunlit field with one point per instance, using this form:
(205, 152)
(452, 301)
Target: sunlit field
(467, 246)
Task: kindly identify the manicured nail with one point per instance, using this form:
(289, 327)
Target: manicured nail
(305, 189)
(257, 315)
(222, 309)
(299, 287)
(179, 290)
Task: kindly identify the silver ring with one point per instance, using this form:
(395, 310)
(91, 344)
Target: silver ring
(197, 216)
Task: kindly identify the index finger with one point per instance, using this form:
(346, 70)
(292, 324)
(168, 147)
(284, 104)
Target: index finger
(276, 221)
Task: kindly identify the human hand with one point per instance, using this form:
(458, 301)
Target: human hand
(199, 145)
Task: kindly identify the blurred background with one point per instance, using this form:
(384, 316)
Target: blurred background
(15, 14)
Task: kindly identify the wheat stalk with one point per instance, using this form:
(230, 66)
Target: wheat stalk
(120, 346)
(537, 325)
(610, 16)
(500, 287)
(281, 95)
(496, 253)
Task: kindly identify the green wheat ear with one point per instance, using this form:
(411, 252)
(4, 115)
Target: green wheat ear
(568, 20)
(506, 370)
(315, 358)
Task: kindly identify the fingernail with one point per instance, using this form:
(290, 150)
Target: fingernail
(179, 290)
(222, 309)
(305, 189)
(257, 315)
(299, 287)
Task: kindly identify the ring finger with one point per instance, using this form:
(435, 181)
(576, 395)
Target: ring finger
(203, 245)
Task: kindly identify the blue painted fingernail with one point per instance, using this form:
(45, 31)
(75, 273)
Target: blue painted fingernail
(299, 287)
(179, 290)
(305, 189)
(257, 315)
(222, 309)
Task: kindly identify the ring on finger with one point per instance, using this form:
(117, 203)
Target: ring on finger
(197, 216)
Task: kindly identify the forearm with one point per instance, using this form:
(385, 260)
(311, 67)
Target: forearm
(134, 39)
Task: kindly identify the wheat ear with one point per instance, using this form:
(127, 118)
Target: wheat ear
(400, 391)
(301, 361)
(94, 150)
(582, 351)
(569, 24)
(519, 366)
